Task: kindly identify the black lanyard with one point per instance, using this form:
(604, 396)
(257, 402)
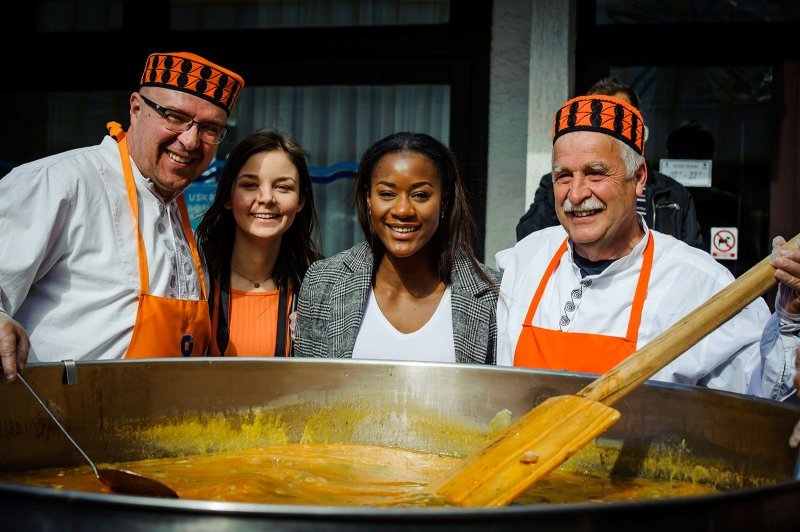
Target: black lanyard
(280, 334)
(223, 320)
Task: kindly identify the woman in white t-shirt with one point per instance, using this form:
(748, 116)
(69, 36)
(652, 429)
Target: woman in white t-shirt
(413, 290)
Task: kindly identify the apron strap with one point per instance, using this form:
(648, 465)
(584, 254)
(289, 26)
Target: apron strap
(293, 297)
(641, 291)
(543, 283)
(280, 334)
(116, 131)
(223, 319)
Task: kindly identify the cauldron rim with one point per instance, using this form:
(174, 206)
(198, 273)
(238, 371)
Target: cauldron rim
(403, 513)
(578, 376)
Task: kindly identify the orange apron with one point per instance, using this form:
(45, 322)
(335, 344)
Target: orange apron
(164, 327)
(588, 353)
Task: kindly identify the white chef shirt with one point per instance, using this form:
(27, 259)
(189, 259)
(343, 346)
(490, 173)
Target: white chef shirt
(68, 267)
(731, 358)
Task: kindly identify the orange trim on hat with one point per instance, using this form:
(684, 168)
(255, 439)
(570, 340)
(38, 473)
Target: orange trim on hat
(195, 75)
(603, 114)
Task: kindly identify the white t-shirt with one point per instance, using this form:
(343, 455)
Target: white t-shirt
(433, 342)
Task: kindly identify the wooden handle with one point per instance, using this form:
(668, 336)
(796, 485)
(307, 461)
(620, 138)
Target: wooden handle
(667, 346)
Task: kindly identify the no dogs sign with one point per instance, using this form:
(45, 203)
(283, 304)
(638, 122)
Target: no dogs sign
(724, 243)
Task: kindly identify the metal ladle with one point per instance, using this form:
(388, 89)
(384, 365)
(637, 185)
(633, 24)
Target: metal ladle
(119, 480)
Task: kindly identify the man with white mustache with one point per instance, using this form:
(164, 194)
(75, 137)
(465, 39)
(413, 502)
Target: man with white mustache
(583, 208)
(585, 295)
(666, 206)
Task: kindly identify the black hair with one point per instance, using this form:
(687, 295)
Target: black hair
(611, 86)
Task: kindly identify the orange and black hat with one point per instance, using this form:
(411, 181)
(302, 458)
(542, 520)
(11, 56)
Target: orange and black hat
(604, 114)
(195, 75)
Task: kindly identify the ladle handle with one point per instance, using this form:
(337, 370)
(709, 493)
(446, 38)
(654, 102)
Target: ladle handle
(53, 417)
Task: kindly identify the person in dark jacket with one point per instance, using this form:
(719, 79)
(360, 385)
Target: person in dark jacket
(667, 206)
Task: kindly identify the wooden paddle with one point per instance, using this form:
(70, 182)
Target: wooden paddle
(546, 436)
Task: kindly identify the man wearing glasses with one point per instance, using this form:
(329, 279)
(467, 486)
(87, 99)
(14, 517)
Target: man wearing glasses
(98, 260)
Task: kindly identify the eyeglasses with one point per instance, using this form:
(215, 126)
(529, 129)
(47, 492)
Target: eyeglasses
(179, 122)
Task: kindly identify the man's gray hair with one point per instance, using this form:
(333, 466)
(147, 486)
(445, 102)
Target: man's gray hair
(631, 159)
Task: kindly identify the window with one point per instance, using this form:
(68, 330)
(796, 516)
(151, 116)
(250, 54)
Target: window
(694, 12)
(250, 14)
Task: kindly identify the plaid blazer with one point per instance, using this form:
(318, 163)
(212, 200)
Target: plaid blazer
(335, 292)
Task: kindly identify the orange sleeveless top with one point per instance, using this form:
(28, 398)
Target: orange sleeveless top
(253, 324)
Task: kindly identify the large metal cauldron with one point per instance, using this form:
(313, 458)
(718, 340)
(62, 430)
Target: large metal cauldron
(139, 409)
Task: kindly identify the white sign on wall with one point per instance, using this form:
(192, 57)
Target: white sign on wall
(687, 172)
(724, 243)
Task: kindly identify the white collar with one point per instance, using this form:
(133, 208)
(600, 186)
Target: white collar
(620, 263)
